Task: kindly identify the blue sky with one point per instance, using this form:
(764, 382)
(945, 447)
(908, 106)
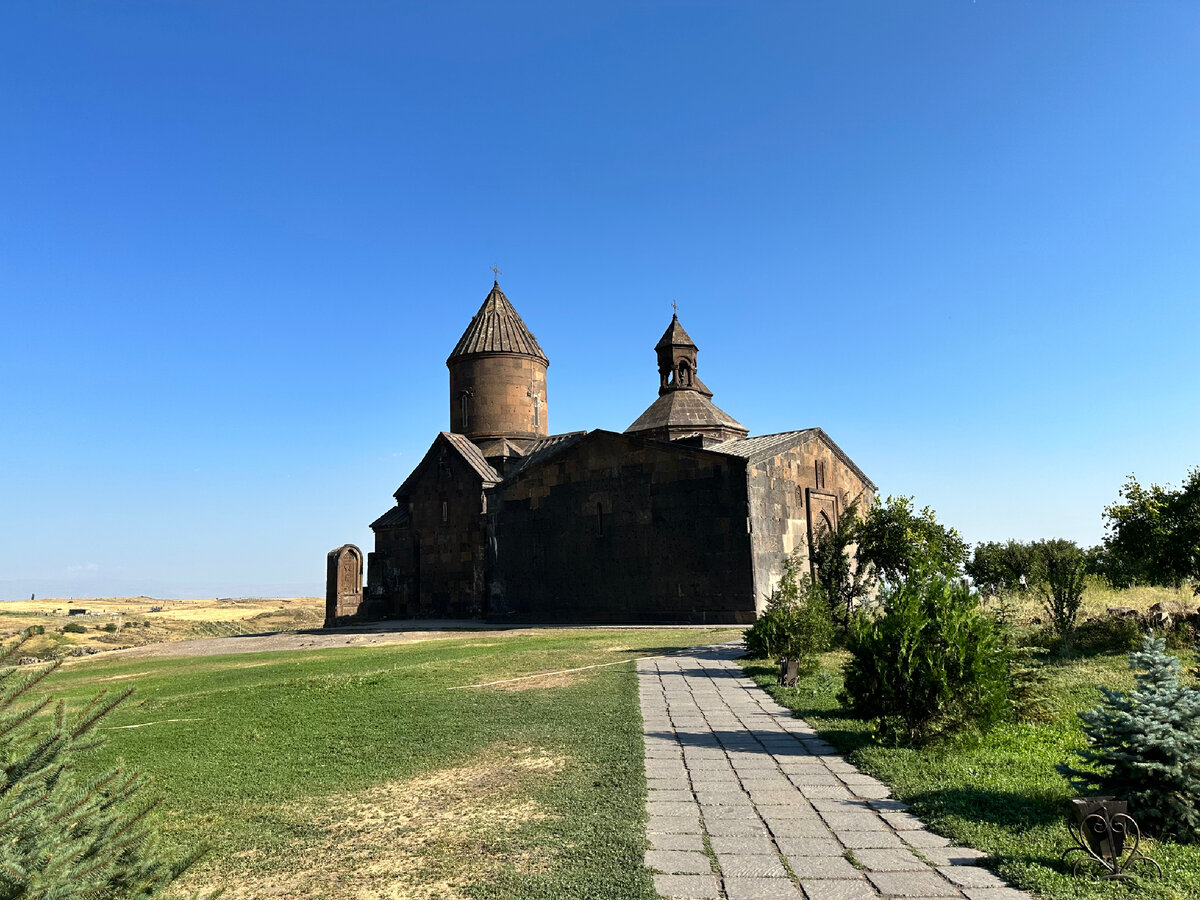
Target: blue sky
(238, 241)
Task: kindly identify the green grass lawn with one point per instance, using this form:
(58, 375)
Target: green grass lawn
(356, 772)
(1000, 794)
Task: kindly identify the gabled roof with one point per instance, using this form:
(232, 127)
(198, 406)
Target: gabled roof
(674, 336)
(764, 446)
(543, 448)
(396, 516)
(497, 328)
(683, 409)
(473, 457)
(466, 450)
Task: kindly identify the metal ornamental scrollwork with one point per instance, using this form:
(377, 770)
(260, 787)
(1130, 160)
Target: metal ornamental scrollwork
(1110, 842)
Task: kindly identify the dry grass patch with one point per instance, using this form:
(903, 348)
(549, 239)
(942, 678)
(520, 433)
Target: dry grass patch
(537, 682)
(419, 839)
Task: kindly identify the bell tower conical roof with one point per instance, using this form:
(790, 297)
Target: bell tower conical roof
(674, 336)
(497, 328)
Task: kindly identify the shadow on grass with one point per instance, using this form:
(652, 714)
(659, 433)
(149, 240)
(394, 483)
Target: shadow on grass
(1007, 809)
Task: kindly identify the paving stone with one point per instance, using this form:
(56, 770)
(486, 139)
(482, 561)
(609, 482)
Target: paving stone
(911, 884)
(878, 839)
(678, 862)
(676, 841)
(724, 843)
(971, 876)
(806, 845)
(760, 889)
(778, 798)
(672, 796)
(813, 778)
(673, 824)
(734, 827)
(687, 887)
(822, 867)
(798, 810)
(856, 889)
(824, 790)
(902, 821)
(996, 893)
(759, 865)
(722, 798)
(922, 839)
(669, 808)
(799, 828)
(842, 821)
(740, 811)
(890, 860)
(890, 805)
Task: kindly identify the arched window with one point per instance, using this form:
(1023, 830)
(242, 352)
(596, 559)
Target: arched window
(685, 374)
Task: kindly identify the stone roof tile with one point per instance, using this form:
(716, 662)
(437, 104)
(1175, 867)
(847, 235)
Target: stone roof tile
(497, 328)
(686, 408)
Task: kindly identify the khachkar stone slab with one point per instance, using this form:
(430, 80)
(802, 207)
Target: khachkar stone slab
(343, 583)
(745, 803)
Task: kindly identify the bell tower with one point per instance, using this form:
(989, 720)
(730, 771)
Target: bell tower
(677, 361)
(498, 376)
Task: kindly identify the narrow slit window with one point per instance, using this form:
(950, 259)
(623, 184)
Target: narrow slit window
(445, 511)
(537, 411)
(462, 407)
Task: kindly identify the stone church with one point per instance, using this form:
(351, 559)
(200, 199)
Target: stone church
(682, 518)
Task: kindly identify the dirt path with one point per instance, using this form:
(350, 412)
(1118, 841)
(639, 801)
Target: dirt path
(397, 632)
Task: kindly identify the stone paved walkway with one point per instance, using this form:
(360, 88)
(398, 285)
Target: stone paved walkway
(747, 803)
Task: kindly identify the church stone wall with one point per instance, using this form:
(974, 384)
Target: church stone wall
(390, 571)
(505, 397)
(792, 495)
(444, 569)
(623, 529)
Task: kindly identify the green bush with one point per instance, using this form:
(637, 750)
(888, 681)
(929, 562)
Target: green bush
(1062, 587)
(60, 836)
(929, 662)
(74, 628)
(110, 627)
(796, 623)
(1145, 745)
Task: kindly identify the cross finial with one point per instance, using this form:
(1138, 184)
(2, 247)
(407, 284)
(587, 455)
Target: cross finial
(496, 272)
(675, 306)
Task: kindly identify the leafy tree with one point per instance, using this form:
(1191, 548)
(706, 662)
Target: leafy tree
(997, 568)
(796, 623)
(841, 574)
(1145, 745)
(895, 541)
(62, 836)
(929, 663)
(1153, 534)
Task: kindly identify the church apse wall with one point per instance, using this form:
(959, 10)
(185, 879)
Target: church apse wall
(623, 529)
(794, 494)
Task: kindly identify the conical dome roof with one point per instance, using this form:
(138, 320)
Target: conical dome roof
(497, 328)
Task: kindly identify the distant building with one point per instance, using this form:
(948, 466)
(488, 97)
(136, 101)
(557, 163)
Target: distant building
(683, 518)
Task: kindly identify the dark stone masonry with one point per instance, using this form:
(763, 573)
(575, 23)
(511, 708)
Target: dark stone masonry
(683, 518)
